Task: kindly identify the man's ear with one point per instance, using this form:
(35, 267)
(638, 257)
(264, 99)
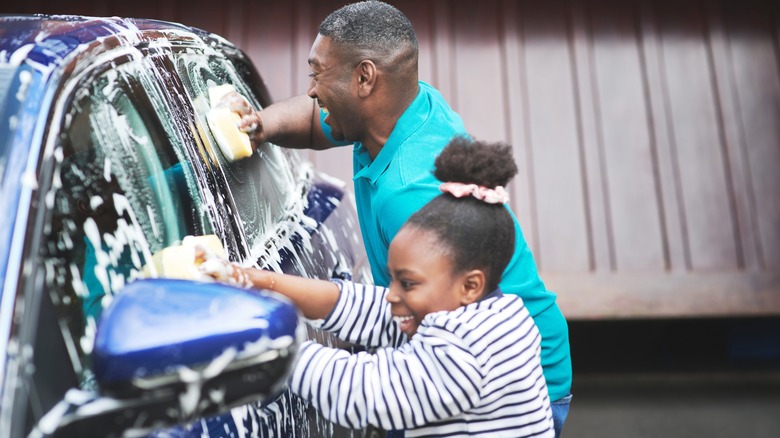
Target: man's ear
(366, 77)
(473, 287)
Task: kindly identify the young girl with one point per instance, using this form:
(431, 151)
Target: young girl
(457, 356)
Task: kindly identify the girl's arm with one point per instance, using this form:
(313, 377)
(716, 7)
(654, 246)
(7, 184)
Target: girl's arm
(355, 313)
(315, 298)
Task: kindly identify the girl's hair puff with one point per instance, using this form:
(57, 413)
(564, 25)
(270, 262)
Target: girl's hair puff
(472, 233)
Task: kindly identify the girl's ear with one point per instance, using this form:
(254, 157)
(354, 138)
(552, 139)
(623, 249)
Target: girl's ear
(473, 287)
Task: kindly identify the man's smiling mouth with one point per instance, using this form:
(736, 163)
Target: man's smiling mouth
(322, 107)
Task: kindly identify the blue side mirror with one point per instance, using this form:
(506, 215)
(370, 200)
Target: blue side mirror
(170, 351)
(194, 348)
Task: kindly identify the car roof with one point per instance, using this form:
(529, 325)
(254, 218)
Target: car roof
(48, 39)
(37, 54)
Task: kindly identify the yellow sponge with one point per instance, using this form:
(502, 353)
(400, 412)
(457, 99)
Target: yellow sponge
(223, 123)
(180, 261)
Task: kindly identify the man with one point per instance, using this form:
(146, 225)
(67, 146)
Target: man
(365, 91)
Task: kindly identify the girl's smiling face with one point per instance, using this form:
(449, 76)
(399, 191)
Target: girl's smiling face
(423, 281)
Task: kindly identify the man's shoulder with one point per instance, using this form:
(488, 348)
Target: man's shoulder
(438, 104)
(429, 89)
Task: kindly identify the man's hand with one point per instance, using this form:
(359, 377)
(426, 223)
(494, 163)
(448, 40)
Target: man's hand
(251, 123)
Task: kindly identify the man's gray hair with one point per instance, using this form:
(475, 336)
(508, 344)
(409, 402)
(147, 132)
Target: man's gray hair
(371, 27)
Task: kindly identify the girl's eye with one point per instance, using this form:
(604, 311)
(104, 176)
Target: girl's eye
(405, 284)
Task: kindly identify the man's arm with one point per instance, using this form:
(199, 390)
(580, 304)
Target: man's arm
(292, 123)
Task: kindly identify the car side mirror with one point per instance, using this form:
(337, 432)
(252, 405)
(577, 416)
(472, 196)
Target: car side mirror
(170, 351)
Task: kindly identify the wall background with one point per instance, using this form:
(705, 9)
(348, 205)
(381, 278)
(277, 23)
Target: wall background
(647, 133)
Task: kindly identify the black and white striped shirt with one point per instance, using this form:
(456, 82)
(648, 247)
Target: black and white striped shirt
(472, 371)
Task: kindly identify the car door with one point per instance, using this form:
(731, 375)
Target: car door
(117, 185)
(129, 168)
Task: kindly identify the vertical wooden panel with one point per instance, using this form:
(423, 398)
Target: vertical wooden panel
(26, 7)
(201, 14)
(706, 187)
(305, 25)
(78, 7)
(168, 9)
(677, 250)
(602, 257)
(101, 9)
(304, 32)
(235, 24)
(563, 241)
(753, 60)
(443, 48)
(269, 35)
(629, 160)
(522, 188)
(419, 13)
(138, 9)
(734, 134)
(479, 69)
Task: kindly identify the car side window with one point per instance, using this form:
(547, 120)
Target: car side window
(262, 186)
(119, 194)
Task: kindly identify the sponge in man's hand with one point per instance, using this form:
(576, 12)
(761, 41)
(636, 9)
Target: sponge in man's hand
(223, 123)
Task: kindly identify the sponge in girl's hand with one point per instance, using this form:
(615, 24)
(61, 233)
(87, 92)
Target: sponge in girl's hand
(223, 123)
(182, 260)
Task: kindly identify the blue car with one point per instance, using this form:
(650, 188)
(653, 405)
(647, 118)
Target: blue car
(107, 160)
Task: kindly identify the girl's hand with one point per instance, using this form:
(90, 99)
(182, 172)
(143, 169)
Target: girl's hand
(215, 268)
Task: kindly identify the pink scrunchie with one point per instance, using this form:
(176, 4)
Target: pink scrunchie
(491, 196)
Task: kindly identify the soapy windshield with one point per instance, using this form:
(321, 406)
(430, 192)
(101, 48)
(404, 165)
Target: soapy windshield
(262, 184)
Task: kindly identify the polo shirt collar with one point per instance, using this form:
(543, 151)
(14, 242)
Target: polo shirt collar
(498, 293)
(405, 126)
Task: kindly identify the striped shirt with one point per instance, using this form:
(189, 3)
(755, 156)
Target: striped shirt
(471, 371)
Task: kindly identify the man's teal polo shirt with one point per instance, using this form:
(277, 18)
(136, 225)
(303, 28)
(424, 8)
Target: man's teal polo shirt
(399, 181)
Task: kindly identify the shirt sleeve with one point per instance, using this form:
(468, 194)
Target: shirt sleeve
(362, 316)
(431, 378)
